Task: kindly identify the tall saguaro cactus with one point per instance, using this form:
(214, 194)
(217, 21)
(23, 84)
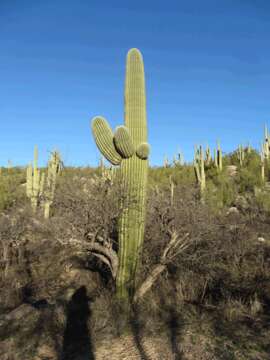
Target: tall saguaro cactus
(128, 148)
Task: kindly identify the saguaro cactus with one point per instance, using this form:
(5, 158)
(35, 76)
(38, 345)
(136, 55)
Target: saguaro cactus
(54, 167)
(241, 154)
(262, 155)
(34, 181)
(208, 157)
(219, 156)
(199, 168)
(128, 148)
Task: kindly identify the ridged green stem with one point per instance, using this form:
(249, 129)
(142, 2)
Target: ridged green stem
(129, 148)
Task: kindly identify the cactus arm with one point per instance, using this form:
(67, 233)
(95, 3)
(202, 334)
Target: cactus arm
(143, 151)
(103, 136)
(123, 142)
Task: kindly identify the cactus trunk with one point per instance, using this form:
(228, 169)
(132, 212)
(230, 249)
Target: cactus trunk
(134, 174)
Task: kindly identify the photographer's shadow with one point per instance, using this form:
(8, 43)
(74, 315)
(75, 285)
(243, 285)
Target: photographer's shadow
(77, 337)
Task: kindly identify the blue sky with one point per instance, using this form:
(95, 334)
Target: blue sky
(207, 66)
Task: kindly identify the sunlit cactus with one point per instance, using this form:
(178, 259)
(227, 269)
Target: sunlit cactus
(262, 155)
(34, 182)
(219, 157)
(199, 168)
(128, 148)
(166, 163)
(241, 154)
(208, 157)
(54, 168)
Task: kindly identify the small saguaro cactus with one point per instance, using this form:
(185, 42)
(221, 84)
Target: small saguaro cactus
(266, 143)
(34, 182)
(208, 157)
(54, 168)
(166, 163)
(262, 162)
(128, 147)
(9, 166)
(199, 168)
(178, 159)
(241, 154)
(219, 157)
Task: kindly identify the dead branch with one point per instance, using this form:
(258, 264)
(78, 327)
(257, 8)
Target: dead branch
(102, 250)
(174, 247)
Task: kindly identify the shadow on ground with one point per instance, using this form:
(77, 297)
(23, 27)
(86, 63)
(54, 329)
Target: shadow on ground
(77, 342)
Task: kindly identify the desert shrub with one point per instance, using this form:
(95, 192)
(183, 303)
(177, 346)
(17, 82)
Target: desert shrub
(12, 191)
(262, 200)
(224, 260)
(159, 176)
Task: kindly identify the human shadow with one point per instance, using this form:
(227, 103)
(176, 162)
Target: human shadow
(136, 332)
(172, 318)
(174, 326)
(77, 337)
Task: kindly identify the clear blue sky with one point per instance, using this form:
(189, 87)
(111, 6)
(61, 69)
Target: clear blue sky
(207, 65)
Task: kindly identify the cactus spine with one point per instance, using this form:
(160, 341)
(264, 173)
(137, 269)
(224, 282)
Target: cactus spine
(34, 182)
(128, 148)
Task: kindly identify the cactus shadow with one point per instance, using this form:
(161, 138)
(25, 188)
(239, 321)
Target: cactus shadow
(77, 342)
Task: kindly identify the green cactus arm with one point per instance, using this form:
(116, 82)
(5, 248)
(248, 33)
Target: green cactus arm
(123, 142)
(143, 151)
(103, 136)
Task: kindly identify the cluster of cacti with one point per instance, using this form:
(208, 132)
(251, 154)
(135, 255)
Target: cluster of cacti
(128, 147)
(199, 168)
(39, 192)
(34, 182)
(54, 168)
(241, 154)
